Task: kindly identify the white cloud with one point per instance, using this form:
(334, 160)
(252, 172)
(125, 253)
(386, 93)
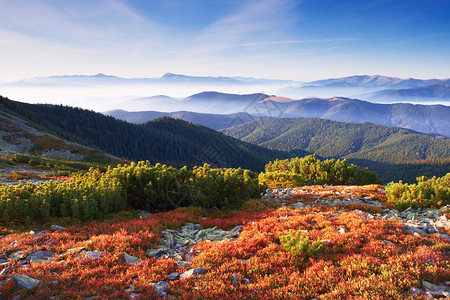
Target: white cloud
(253, 22)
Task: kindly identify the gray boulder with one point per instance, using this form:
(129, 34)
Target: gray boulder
(40, 256)
(193, 272)
(26, 282)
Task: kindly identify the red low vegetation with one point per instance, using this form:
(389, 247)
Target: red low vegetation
(368, 259)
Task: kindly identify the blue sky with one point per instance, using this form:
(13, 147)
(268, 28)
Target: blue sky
(298, 40)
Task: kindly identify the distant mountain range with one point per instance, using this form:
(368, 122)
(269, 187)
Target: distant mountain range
(354, 86)
(422, 93)
(168, 78)
(423, 118)
(375, 81)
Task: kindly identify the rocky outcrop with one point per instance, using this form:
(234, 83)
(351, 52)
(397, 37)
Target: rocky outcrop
(417, 221)
(178, 244)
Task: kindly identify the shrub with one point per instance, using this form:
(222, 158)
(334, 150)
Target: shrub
(299, 244)
(21, 158)
(310, 171)
(434, 192)
(140, 186)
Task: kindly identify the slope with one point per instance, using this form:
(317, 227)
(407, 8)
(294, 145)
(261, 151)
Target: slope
(164, 140)
(422, 93)
(214, 121)
(423, 118)
(381, 148)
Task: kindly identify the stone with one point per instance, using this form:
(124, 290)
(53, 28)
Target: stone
(134, 295)
(92, 254)
(436, 290)
(343, 230)
(41, 233)
(17, 297)
(26, 282)
(415, 291)
(144, 214)
(40, 256)
(130, 288)
(443, 235)
(183, 264)
(173, 276)
(5, 271)
(130, 259)
(428, 295)
(193, 272)
(156, 253)
(57, 228)
(160, 288)
(17, 255)
(3, 262)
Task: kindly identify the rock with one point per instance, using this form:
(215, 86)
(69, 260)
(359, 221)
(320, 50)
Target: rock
(26, 282)
(156, 253)
(32, 232)
(160, 288)
(183, 264)
(415, 291)
(57, 228)
(5, 271)
(428, 295)
(144, 214)
(443, 235)
(437, 290)
(40, 256)
(132, 260)
(299, 205)
(134, 295)
(17, 255)
(130, 288)
(343, 230)
(193, 272)
(73, 250)
(176, 242)
(17, 297)
(92, 254)
(173, 276)
(3, 262)
(41, 233)
(414, 229)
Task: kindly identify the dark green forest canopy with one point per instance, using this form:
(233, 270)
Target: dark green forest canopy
(394, 153)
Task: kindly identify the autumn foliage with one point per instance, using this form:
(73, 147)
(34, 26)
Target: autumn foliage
(370, 259)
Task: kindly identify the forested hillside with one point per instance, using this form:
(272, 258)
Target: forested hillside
(383, 149)
(164, 140)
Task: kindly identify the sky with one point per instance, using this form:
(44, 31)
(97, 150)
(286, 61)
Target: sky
(277, 39)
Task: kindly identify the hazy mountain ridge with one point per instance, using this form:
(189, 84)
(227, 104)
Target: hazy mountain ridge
(168, 78)
(377, 81)
(354, 86)
(428, 92)
(422, 118)
(213, 121)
